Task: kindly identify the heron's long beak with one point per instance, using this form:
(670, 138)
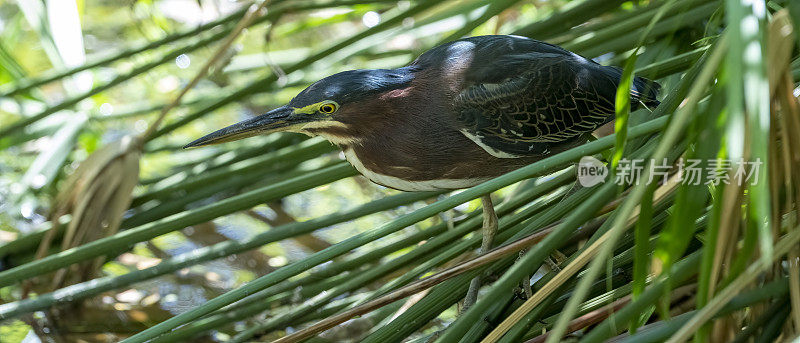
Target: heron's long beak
(278, 119)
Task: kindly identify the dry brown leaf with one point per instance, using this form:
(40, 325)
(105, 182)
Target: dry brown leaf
(96, 195)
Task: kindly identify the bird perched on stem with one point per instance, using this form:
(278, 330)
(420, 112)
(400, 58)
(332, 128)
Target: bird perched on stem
(462, 113)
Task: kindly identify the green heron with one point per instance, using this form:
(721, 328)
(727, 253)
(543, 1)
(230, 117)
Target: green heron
(462, 113)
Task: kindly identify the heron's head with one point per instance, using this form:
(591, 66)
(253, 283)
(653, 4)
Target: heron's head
(328, 105)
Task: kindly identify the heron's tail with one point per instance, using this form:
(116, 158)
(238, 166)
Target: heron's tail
(645, 91)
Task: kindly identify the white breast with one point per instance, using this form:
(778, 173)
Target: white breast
(492, 151)
(405, 185)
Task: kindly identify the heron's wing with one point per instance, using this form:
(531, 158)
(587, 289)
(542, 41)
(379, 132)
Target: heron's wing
(546, 101)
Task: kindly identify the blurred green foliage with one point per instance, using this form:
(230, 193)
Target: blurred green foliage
(208, 227)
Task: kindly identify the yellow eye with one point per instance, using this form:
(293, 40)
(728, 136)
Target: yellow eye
(328, 108)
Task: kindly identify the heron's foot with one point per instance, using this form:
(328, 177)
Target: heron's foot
(526, 287)
(552, 264)
(489, 231)
(524, 290)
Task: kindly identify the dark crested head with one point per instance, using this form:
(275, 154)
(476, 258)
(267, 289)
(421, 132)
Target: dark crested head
(317, 106)
(353, 85)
